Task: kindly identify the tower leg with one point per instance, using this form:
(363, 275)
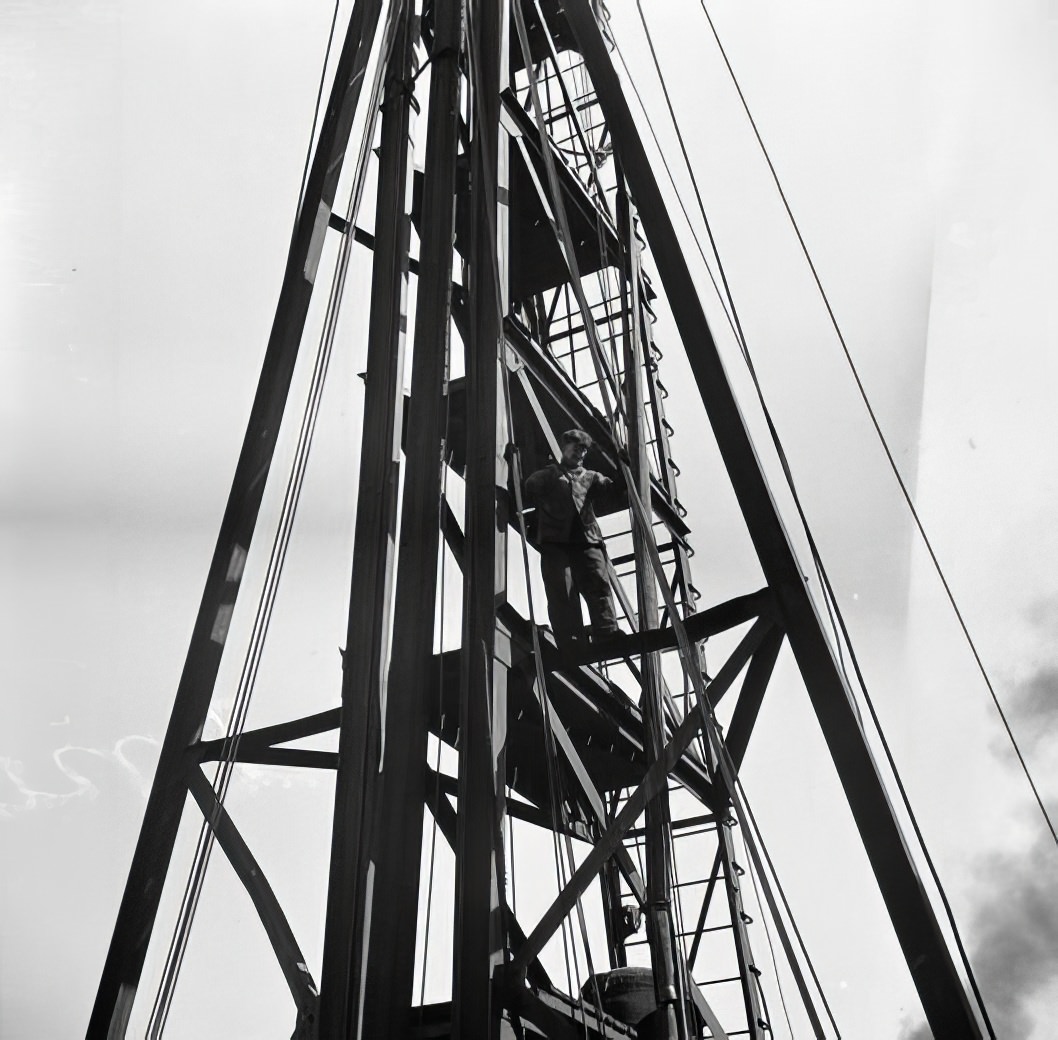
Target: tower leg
(925, 949)
(351, 906)
(396, 838)
(480, 935)
(154, 849)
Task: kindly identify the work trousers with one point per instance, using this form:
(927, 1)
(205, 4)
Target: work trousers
(572, 571)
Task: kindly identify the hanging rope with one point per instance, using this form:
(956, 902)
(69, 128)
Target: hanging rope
(678, 195)
(561, 227)
(760, 856)
(771, 946)
(482, 141)
(554, 776)
(710, 727)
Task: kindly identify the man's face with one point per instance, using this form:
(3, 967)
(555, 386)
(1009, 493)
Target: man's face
(573, 453)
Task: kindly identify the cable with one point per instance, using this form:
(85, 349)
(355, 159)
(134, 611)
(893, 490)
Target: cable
(554, 777)
(244, 691)
(830, 600)
(482, 140)
(645, 525)
(316, 109)
(736, 326)
(751, 834)
(914, 822)
(732, 312)
(716, 744)
(881, 437)
(672, 181)
(767, 935)
(687, 162)
(730, 308)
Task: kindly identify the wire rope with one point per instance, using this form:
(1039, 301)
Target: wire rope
(753, 836)
(830, 600)
(905, 493)
(595, 347)
(442, 505)
(948, 912)
(593, 344)
(295, 481)
(483, 142)
(554, 779)
(316, 108)
(729, 306)
(718, 750)
(724, 296)
(728, 303)
(160, 1001)
(767, 934)
(672, 181)
(736, 328)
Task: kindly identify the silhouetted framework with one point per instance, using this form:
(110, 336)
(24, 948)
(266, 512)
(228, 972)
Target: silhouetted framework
(523, 235)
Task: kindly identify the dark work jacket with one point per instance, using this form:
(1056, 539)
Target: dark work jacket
(563, 499)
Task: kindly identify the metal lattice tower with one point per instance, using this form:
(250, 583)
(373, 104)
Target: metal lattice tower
(531, 216)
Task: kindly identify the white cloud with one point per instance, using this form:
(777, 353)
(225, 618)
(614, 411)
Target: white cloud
(78, 785)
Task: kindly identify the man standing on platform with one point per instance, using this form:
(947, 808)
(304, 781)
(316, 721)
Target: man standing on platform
(572, 549)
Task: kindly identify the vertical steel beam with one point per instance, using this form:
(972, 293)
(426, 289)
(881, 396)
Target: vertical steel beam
(660, 932)
(479, 931)
(350, 902)
(925, 948)
(139, 905)
(387, 979)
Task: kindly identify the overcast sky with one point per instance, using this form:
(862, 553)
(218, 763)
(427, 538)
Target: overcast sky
(150, 156)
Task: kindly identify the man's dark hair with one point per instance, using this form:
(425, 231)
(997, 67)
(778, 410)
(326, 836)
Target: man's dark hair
(576, 437)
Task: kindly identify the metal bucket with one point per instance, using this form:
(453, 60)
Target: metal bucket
(626, 994)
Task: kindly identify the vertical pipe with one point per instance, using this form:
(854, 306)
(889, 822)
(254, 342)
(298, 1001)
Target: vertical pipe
(350, 902)
(479, 931)
(397, 837)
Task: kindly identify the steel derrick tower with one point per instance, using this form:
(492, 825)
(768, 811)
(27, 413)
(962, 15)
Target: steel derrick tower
(525, 234)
